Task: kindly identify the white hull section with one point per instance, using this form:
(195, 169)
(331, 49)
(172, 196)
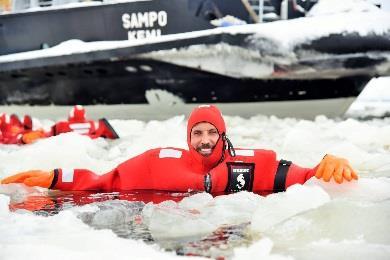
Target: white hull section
(306, 109)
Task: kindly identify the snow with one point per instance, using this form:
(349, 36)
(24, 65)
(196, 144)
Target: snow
(274, 44)
(333, 6)
(374, 100)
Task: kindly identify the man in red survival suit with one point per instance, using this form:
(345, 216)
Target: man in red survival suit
(211, 164)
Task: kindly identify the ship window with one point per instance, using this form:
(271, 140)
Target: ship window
(45, 46)
(49, 74)
(131, 69)
(146, 68)
(89, 72)
(61, 73)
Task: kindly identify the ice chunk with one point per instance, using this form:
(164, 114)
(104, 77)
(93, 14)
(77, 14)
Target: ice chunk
(258, 250)
(279, 207)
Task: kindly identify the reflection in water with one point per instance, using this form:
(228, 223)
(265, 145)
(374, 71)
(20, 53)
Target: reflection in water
(124, 218)
(121, 212)
(220, 243)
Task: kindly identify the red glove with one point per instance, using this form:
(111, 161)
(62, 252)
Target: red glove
(31, 178)
(337, 167)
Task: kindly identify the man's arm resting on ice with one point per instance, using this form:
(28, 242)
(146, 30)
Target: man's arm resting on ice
(115, 180)
(276, 177)
(62, 179)
(130, 177)
(330, 167)
(143, 172)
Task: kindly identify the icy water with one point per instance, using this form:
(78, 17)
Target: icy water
(315, 220)
(128, 215)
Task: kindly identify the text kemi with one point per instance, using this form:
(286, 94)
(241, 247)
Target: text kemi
(143, 25)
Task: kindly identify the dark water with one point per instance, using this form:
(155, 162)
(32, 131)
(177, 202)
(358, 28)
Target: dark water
(122, 213)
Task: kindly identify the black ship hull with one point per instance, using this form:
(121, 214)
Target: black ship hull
(127, 82)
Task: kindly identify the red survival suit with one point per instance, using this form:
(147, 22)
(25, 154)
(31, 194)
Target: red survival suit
(78, 123)
(12, 129)
(173, 169)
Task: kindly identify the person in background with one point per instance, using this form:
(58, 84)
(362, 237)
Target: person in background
(14, 131)
(78, 123)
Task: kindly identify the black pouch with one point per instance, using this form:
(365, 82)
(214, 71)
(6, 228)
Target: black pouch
(240, 176)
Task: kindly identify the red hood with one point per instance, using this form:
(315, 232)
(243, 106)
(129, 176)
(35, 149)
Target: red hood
(212, 115)
(11, 124)
(77, 114)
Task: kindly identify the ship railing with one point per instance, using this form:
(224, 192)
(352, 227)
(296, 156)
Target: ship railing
(265, 10)
(271, 10)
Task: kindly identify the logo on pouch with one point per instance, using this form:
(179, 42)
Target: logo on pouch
(241, 181)
(240, 176)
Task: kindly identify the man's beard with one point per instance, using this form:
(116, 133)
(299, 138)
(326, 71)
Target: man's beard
(205, 149)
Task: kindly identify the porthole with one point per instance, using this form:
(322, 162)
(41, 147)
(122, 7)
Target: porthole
(146, 68)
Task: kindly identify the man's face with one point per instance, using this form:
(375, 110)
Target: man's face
(204, 136)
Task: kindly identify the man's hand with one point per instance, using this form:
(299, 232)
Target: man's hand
(337, 167)
(31, 178)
